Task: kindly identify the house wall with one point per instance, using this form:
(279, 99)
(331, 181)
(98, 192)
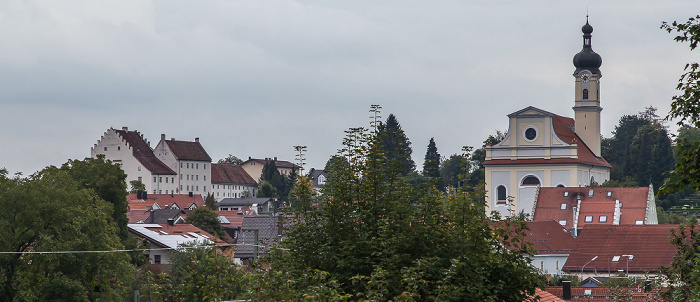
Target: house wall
(192, 176)
(222, 191)
(550, 264)
(115, 148)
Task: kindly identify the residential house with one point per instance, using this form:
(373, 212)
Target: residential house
(254, 167)
(542, 149)
(258, 205)
(231, 181)
(318, 177)
(133, 153)
(140, 206)
(189, 160)
(164, 238)
(627, 250)
(574, 208)
(552, 244)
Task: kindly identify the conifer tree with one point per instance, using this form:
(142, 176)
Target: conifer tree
(431, 166)
(395, 146)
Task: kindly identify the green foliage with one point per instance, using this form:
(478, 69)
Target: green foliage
(232, 159)
(210, 202)
(640, 150)
(394, 146)
(136, 185)
(52, 211)
(373, 237)
(686, 107)
(336, 162)
(207, 220)
(454, 170)
(683, 274)
(281, 184)
(431, 166)
(303, 195)
(196, 274)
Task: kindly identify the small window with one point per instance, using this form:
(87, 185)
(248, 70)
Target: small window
(205, 166)
(560, 186)
(609, 194)
(205, 178)
(180, 187)
(160, 179)
(639, 222)
(562, 222)
(616, 258)
(180, 176)
(140, 179)
(156, 259)
(160, 191)
(197, 166)
(180, 165)
(188, 187)
(172, 179)
(119, 148)
(501, 192)
(603, 218)
(590, 192)
(589, 219)
(566, 194)
(188, 165)
(585, 94)
(166, 181)
(155, 179)
(204, 188)
(197, 177)
(105, 148)
(563, 206)
(139, 168)
(197, 188)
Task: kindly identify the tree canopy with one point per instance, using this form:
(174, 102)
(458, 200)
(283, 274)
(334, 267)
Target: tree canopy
(362, 240)
(63, 209)
(207, 220)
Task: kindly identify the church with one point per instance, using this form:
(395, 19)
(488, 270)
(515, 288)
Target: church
(543, 149)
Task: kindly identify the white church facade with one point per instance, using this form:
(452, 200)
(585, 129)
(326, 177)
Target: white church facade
(542, 149)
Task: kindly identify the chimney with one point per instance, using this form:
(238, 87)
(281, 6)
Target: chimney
(566, 290)
(171, 222)
(162, 136)
(172, 139)
(125, 128)
(196, 139)
(275, 158)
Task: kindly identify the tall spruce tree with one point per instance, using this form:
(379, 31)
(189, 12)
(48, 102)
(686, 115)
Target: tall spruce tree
(395, 146)
(431, 165)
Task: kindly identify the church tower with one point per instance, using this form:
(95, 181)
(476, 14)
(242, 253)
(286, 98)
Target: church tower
(587, 97)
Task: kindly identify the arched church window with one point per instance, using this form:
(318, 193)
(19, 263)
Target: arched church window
(560, 186)
(501, 194)
(585, 94)
(530, 181)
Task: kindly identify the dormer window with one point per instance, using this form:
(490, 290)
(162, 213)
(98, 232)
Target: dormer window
(563, 206)
(609, 194)
(566, 194)
(590, 192)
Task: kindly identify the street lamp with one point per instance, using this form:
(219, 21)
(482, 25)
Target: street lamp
(589, 261)
(629, 257)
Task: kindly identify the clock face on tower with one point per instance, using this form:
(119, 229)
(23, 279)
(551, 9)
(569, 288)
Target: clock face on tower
(585, 77)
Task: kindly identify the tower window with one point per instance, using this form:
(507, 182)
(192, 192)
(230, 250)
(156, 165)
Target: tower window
(585, 94)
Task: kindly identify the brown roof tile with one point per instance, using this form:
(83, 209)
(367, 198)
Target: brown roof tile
(183, 201)
(549, 237)
(188, 150)
(648, 243)
(228, 173)
(578, 293)
(143, 153)
(278, 163)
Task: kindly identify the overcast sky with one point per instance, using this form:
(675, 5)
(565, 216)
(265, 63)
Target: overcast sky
(255, 78)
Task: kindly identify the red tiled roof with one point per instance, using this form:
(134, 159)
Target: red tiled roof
(549, 201)
(549, 237)
(648, 243)
(188, 150)
(598, 293)
(545, 296)
(137, 216)
(236, 219)
(228, 173)
(183, 201)
(563, 128)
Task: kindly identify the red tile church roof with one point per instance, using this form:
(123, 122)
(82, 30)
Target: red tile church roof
(563, 128)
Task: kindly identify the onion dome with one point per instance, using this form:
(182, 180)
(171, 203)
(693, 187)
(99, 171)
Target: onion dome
(587, 59)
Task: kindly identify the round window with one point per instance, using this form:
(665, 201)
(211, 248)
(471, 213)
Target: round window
(530, 134)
